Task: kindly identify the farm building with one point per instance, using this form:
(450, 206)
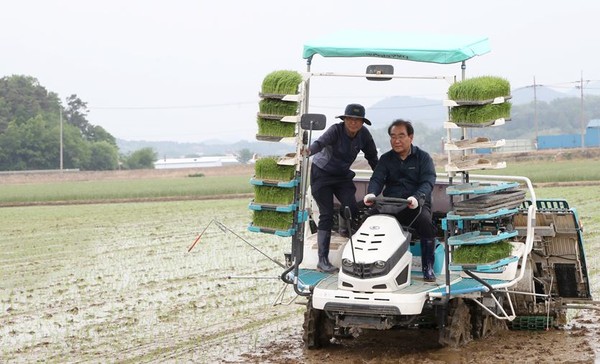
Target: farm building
(591, 138)
(198, 162)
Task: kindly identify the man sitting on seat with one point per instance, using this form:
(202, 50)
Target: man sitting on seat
(408, 172)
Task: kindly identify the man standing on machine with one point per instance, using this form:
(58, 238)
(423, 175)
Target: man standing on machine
(330, 175)
(408, 172)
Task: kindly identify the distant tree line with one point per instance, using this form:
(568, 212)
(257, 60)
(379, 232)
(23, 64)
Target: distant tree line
(30, 130)
(30, 136)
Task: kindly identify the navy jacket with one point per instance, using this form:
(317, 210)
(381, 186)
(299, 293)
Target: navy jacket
(334, 151)
(414, 176)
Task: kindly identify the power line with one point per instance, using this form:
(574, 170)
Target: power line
(382, 108)
(568, 84)
(170, 107)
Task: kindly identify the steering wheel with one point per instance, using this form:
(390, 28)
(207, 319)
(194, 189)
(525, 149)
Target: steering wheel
(389, 205)
(395, 201)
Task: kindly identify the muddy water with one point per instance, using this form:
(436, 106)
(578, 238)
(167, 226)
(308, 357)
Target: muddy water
(577, 344)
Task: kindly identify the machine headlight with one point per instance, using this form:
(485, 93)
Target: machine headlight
(380, 264)
(347, 262)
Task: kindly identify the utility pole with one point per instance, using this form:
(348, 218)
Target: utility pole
(582, 121)
(61, 139)
(535, 113)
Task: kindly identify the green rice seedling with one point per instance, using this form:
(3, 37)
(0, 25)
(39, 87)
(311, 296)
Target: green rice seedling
(273, 195)
(282, 82)
(480, 114)
(274, 220)
(486, 253)
(275, 128)
(278, 107)
(267, 168)
(479, 89)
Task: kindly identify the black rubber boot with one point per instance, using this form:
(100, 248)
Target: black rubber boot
(323, 240)
(428, 259)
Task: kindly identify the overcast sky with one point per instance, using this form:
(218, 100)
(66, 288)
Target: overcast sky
(190, 70)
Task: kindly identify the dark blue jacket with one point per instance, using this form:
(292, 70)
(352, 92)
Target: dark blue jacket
(414, 176)
(334, 151)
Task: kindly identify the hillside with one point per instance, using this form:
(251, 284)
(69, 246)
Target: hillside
(557, 113)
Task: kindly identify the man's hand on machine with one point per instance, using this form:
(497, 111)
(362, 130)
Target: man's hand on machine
(412, 202)
(369, 199)
(304, 151)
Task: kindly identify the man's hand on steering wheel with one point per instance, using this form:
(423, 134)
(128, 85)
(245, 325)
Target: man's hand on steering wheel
(369, 199)
(413, 203)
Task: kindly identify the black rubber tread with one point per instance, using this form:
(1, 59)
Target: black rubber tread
(457, 331)
(317, 328)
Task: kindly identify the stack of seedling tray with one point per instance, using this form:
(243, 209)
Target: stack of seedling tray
(490, 203)
(476, 102)
(487, 253)
(479, 101)
(278, 108)
(275, 204)
(275, 200)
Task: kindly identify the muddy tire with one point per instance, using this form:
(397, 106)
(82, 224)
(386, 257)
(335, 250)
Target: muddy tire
(317, 328)
(458, 329)
(485, 325)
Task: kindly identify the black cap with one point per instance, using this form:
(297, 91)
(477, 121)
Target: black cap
(355, 111)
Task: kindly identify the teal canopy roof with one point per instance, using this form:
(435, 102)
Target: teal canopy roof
(441, 48)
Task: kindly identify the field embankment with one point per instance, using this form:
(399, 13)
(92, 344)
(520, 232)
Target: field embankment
(73, 175)
(74, 187)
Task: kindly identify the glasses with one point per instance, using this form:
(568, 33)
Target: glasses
(398, 136)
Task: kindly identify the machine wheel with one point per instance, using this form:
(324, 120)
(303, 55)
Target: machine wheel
(484, 325)
(317, 328)
(457, 331)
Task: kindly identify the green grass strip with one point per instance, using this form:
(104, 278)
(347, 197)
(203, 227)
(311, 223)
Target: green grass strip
(274, 220)
(479, 88)
(275, 128)
(480, 114)
(282, 82)
(267, 168)
(476, 254)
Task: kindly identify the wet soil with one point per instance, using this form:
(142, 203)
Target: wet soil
(578, 343)
(138, 297)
